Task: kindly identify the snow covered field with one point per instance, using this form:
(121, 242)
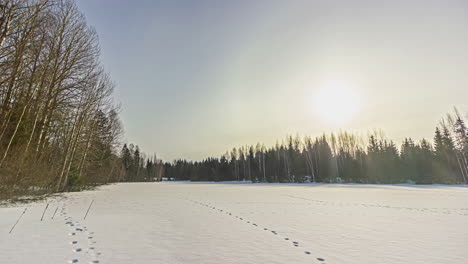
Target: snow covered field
(242, 223)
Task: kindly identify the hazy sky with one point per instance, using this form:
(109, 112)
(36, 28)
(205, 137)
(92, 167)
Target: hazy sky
(196, 78)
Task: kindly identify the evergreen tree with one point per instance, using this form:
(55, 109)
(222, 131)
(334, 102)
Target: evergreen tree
(126, 157)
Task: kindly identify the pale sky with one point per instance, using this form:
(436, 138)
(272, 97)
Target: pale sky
(196, 78)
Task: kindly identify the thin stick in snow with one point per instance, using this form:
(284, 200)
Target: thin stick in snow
(88, 209)
(11, 230)
(55, 212)
(43, 213)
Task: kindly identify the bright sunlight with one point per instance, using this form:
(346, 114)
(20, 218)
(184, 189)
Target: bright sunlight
(336, 103)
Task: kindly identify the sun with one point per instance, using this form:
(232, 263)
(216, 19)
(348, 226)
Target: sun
(336, 103)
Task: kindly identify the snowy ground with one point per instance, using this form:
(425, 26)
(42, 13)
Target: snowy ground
(242, 223)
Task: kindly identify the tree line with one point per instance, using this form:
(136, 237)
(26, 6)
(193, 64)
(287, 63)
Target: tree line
(59, 126)
(342, 157)
(136, 167)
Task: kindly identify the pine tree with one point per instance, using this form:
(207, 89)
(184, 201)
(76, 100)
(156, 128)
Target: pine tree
(137, 163)
(126, 161)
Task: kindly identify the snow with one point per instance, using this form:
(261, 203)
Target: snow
(242, 223)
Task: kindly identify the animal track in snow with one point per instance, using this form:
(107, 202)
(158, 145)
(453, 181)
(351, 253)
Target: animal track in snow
(442, 211)
(81, 232)
(295, 243)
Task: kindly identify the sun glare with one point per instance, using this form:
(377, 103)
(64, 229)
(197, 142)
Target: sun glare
(336, 103)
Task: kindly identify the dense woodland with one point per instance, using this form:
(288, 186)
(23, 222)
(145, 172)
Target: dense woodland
(59, 127)
(341, 157)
